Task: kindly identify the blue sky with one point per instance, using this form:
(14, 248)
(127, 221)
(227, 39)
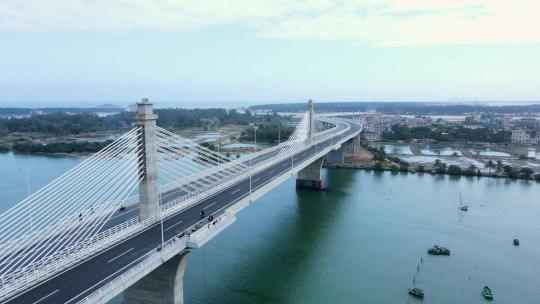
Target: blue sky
(273, 51)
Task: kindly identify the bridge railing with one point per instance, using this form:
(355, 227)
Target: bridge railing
(71, 256)
(148, 263)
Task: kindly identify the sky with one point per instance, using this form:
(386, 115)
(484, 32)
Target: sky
(228, 51)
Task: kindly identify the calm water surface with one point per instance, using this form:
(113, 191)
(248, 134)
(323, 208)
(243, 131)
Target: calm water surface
(359, 242)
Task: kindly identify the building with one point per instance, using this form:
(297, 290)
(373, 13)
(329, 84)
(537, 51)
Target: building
(522, 136)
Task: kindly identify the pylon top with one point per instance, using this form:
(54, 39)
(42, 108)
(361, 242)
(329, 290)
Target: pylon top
(145, 112)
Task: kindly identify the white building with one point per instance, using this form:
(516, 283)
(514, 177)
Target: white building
(521, 136)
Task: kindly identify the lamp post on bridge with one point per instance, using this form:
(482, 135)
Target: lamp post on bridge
(279, 133)
(250, 168)
(161, 220)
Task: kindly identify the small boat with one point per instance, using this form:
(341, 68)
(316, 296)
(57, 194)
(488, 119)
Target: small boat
(487, 293)
(516, 242)
(436, 250)
(417, 292)
(461, 206)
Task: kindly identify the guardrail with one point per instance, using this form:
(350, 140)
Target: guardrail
(155, 258)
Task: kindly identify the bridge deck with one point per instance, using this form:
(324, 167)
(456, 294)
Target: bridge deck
(76, 283)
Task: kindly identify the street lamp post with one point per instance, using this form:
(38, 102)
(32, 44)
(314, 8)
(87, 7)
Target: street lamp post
(250, 168)
(31, 204)
(279, 132)
(161, 220)
(255, 147)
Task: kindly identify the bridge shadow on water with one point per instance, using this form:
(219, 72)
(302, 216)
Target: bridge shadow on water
(275, 245)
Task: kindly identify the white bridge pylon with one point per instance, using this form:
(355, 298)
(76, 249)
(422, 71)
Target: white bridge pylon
(74, 214)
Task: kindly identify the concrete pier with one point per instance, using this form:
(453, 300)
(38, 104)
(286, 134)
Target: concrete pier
(310, 176)
(164, 285)
(336, 156)
(148, 191)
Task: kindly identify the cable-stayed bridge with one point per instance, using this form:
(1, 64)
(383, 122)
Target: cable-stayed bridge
(124, 219)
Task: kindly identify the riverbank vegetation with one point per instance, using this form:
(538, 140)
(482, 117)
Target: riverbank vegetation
(381, 161)
(384, 161)
(59, 147)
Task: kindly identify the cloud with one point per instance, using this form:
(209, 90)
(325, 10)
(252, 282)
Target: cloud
(370, 22)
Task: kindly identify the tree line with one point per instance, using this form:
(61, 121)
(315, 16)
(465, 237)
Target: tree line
(59, 147)
(71, 124)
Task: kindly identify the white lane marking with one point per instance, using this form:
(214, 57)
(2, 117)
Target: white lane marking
(212, 204)
(170, 227)
(285, 164)
(120, 255)
(236, 190)
(256, 179)
(46, 296)
(271, 172)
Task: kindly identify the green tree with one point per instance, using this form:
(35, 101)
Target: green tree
(508, 169)
(499, 165)
(404, 166)
(490, 165)
(526, 172)
(454, 170)
(378, 166)
(440, 167)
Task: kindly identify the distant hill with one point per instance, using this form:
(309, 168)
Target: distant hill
(108, 106)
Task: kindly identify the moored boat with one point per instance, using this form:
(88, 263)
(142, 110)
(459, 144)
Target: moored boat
(436, 250)
(417, 292)
(461, 206)
(488, 295)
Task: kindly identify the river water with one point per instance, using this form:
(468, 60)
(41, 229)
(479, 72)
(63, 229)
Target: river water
(362, 241)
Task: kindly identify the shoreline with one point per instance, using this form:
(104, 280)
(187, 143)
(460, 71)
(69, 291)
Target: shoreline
(413, 170)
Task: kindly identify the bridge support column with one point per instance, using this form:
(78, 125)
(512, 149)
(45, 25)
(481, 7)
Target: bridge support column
(336, 156)
(148, 190)
(164, 285)
(310, 176)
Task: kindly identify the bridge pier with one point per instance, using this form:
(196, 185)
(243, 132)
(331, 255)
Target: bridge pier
(164, 285)
(310, 176)
(336, 157)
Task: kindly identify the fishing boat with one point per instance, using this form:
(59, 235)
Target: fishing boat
(461, 206)
(487, 293)
(436, 250)
(417, 292)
